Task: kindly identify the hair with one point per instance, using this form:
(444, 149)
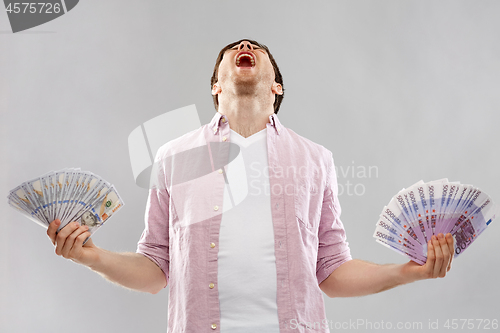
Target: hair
(277, 74)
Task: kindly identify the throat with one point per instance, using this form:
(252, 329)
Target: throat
(245, 62)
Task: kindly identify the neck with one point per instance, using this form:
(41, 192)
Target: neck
(246, 116)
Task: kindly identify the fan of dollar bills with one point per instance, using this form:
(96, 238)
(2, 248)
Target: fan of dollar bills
(68, 195)
(413, 215)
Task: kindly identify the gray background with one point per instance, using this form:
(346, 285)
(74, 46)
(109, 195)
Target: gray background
(410, 87)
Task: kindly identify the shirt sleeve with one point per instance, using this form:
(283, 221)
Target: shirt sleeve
(154, 241)
(333, 248)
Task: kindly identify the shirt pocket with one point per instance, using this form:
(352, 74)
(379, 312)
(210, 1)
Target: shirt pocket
(307, 203)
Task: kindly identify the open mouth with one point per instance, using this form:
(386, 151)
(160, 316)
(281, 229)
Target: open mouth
(245, 59)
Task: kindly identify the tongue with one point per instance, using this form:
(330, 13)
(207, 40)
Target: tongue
(245, 62)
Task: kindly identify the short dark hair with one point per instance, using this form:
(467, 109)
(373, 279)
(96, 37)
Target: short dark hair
(278, 78)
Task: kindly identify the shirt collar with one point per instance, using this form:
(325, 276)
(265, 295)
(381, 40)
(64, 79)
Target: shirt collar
(220, 119)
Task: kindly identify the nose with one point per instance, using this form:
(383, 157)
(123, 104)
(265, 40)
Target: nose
(245, 45)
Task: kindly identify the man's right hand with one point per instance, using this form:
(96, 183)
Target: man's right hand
(69, 242)
(131, 270)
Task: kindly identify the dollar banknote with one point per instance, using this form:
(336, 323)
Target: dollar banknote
(68, 195)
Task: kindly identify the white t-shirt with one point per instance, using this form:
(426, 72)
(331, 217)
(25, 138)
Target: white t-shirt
(246, 260)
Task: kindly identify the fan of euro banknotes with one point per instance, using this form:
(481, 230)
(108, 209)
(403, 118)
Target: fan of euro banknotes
(416, 213)
(68, 195)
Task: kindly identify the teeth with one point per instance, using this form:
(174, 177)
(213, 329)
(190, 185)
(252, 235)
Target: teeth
(252, 61)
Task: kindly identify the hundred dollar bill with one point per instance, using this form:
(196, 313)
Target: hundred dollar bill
(81, 204)
(22, 209)
(59, 187)
(101, 210)
(68, 195)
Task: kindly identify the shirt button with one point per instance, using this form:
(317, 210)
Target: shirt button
(223, 120)
(212, 245)
(220, 170)
(214, 326)
(211, 286)
(216, 207)
(224, 138)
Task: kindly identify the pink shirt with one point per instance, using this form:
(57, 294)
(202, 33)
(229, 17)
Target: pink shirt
(183, 217)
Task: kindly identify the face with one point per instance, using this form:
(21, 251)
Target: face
(244, 68)
(88, 219)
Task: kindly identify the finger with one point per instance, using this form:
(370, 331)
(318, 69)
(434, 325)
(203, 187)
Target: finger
(446, 255)
(451, 246)
(63, 234)
(431, 258)
(79, 241)
(69, 244)
(439, 257)
(52, 229)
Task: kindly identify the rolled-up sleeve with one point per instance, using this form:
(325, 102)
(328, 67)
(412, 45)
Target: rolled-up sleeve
(154, 241)
(333, 248)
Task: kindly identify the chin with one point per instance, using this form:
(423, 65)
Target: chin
(246, 89)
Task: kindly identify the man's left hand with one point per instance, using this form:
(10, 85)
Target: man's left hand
(440, 251)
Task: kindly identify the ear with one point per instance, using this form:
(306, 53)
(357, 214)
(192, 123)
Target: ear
(277, 88)
(216, 89)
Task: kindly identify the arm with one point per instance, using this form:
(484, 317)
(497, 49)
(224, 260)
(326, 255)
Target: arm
(359, 278)
(131, 270)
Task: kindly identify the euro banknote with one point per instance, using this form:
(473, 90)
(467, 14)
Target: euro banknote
(422, 210)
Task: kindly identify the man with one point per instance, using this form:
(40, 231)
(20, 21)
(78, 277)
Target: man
(239, 260)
